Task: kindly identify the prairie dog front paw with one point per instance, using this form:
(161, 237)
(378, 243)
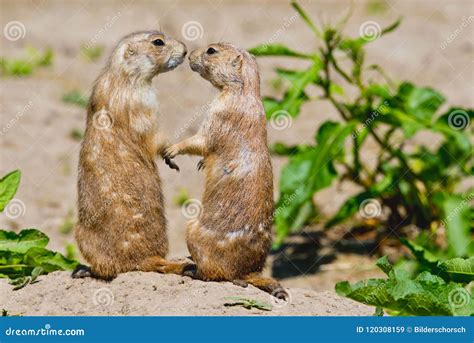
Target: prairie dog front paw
(172, 151)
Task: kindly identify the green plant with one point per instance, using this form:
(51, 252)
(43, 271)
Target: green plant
(26, 66)
(8, 187)
(425, 294)
(92, 53)
(68, 223)
(76, 98)
(248, 303)
(71, 251)
(413, 186)
(76, 134)
(23, 256)
(180, 198)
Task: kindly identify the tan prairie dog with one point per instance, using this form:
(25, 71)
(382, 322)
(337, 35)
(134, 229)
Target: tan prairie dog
(232, 237)
(122, 224)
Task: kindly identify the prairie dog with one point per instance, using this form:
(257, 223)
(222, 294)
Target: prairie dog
(232, 237)
(122, 224)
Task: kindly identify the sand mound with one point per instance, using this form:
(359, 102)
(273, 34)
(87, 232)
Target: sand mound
(152, 294)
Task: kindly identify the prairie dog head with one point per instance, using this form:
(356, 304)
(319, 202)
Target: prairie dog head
(145, 54)
(226, 66)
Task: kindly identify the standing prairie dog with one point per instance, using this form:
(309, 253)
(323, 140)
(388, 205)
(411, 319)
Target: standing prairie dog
(122, 225)
(232, 237)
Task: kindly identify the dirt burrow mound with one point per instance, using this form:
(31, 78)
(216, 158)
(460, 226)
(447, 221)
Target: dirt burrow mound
(152, 294)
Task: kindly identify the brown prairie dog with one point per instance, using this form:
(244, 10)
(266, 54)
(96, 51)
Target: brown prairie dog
(232, 237)
(122, 224)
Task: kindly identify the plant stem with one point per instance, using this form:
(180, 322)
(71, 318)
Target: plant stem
(14, 266)
(346, 115)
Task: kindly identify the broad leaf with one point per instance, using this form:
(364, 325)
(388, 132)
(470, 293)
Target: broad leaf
(413, 108)
(427, 294)
(307, 173)
(421, 102)
(425, 257)
(48, 260)
(455, 126)
(459, 269)
(20, 243)
(456, 218)
(8, 187)
(23, 257)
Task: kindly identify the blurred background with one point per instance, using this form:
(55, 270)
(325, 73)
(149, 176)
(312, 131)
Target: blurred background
(53, 50)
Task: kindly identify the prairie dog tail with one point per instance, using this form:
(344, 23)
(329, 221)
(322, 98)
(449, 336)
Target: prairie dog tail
(162, 265)
(268, 285)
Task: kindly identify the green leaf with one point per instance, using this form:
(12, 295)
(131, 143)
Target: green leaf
(349, 208)
(23, 257)
(355, 45)
(381, 91)
(20, 282)
(426, 294)
(76, 98)
(295, 96)
(352, 204)
(392, 26)
(248, 303)
(306, 173)
(454, 125)
(8, 187)
(459, 269)
(37, 271)
(421, 102)
(412, 108)
(282, 149)
(384, 265)
(306, 18)
(20, 243)
(378, 312)
(424, 256)
(277, 50)
(26, 66)
(48, 260)
(456, 218)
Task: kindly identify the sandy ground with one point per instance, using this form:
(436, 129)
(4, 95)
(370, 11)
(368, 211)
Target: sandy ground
(38, 142)
(150, 294)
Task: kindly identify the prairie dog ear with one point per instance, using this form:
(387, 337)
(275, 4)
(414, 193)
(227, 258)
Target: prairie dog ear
(130, 50)
(237, 61)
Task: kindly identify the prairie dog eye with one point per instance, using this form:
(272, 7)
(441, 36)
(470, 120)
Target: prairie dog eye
(211, 51)
(158, 42)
